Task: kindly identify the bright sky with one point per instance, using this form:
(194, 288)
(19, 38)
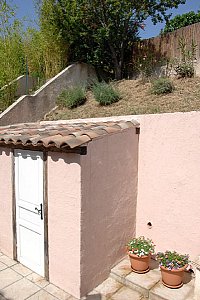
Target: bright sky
(26, 9)
(154, 30)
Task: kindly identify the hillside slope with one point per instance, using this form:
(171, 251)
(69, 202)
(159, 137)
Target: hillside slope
(137, 99)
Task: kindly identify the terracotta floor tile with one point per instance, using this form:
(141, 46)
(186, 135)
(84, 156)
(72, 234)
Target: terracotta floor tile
(37, 279)
(108, 287)
(2, 266)
(126, 293)
(20, 290)
(55, 291)
(159, 291)
(22, 270)
(7, 261)
(8, 277)
(41, 295)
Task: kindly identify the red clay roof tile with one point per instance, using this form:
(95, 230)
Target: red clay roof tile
(58, 134)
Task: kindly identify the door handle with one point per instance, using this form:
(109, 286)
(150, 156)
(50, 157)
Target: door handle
(39, 211)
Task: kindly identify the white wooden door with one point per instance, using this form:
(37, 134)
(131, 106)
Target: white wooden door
(29, 209)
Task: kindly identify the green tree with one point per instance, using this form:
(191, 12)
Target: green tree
(44, 48)
(180, 21)
(11, 45)
(12, 59)
(102, 32)
(54, 47)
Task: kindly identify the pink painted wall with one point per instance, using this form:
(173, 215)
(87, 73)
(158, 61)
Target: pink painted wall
(93, 203)
(169, 181)
(64, 207)
(108, 213)
(6, 234)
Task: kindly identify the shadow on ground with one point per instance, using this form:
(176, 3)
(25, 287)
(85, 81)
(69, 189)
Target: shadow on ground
(93, 297)
(2, 296)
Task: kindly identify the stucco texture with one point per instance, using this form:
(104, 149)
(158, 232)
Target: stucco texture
(108, 212)
(64, 207)
(168, 181)
(6, 223)
(98, 201)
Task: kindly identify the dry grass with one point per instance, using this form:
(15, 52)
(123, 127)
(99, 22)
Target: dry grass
(137, 99)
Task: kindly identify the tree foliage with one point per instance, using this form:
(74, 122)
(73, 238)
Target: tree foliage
(42, 48)
(180, 21)
(102, 32)
(45, 47)
(12, 62)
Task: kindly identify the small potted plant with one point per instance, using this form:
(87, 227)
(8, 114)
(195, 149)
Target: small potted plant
(139, 251)
(172, 265)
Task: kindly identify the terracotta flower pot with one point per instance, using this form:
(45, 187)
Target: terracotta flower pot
(139, 264)
(172, 278)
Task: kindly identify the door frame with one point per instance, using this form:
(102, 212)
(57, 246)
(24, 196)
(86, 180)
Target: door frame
(45, 209)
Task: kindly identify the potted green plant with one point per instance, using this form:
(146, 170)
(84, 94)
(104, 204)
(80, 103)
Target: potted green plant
(172, 265)
(139, 251)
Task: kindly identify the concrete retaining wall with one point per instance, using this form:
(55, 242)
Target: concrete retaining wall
(22, 84)
(31, 108)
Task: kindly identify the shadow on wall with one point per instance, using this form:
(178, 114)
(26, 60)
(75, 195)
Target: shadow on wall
(109, 199)
(5, 151)
(67, 159)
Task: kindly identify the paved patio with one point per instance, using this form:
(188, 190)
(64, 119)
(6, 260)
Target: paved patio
(20, 283)
(150, 285)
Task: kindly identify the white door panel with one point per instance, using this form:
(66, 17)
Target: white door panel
(29, 209)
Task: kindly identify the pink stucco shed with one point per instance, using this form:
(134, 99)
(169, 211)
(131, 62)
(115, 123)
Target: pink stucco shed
(108, 211)
(99, 200)
(6, 234)
(87, 197)
(64, 207)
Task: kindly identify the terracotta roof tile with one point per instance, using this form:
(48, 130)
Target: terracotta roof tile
(60, 135)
